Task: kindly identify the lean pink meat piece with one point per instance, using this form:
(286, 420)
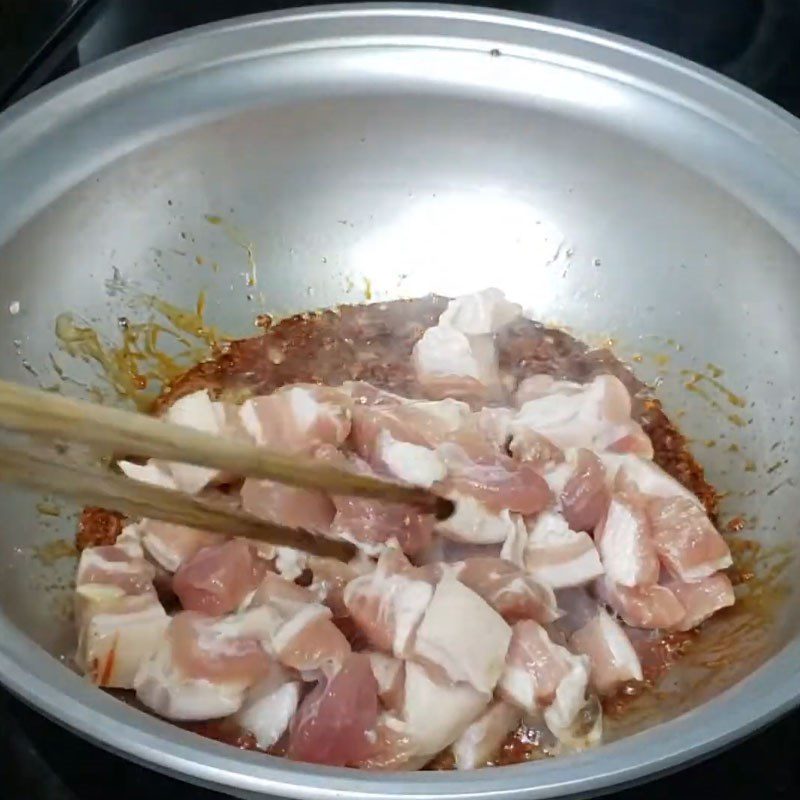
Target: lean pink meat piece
(557, 556)
(652, 606)
(625, 543)
(288, 505)
(497, 482)
(509, 590)
(212, 649)
(585, 498)
(702, 598)
(298, 419)
(596, 416)
(218, 578)
(686, 540)
(336, 723)
(388, 604)
(613, 659)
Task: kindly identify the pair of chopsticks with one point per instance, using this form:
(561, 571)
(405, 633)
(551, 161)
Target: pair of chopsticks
(53, 418)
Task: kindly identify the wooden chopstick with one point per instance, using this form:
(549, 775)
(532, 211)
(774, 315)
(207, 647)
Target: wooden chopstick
(101, 487)
(51, 417)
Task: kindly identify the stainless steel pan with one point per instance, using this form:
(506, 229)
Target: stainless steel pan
(391, 151)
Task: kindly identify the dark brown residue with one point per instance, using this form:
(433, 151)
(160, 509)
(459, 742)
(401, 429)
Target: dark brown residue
(373, 343)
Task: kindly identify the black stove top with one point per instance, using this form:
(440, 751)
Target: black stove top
(753, 41)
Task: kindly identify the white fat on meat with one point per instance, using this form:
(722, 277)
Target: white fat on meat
(483, 312)
(269, 707)
(290, 563)
(597, 417)
(118, 633)
(570, 698)
(435, 713)
(204, 665)
(472, 522)
(513, 549)
(648, 477)
(463, 635)
(162, 687)
(171, 545)
(613, 659)
(120, 619)
(196, 411)
(412, 463)
(482, 740)
(558, 556)
(152, 472)
(443, 351)
(625, 543)
(390, 675)
(537, 668)
(388, 604)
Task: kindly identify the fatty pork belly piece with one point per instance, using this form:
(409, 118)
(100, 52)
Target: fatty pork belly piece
(511, 591)
(288, 505)
(371, 524)
(329, 577)
(435, 713)
(461, 634)
(625, 542)
(390, 675)
(458, 357)
(542, 675)
(613, 659)
(298, 419)
(596, 416)
(120, 619)
(495, 481)
(421, 422)
(686, 540)
(336, 723)
(482, 740)
(217, 579)
(269, 707)
(388, 604)
(200, 412)
(558, 556)
(650, 607)
(473, 523)
(627, 471)
(585, 497)
(204, 666)
(171, 545)
(301, 634)
(702, 598)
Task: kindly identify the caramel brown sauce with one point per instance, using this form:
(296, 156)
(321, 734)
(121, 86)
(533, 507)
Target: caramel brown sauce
(373, 343)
